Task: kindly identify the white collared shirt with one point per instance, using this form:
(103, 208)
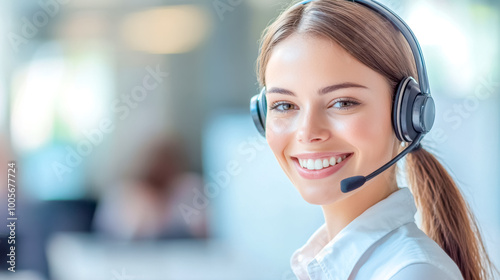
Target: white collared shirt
(382, 243)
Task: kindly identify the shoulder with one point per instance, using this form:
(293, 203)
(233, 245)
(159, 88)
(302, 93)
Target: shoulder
(404, 250)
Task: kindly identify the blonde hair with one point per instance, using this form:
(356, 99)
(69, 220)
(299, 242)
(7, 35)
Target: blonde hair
(375, 42)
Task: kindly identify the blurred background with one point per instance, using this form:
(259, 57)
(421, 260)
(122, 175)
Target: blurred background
(136, 155)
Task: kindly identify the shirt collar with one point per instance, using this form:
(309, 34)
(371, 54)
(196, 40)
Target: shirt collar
(338, 256)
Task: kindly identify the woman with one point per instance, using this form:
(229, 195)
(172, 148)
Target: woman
(322, 134)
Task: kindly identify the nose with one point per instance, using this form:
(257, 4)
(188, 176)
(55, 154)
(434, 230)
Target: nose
(313, 127)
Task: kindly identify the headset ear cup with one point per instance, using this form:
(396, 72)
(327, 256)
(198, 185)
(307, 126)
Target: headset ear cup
(402, 112)
(424, 113)
(258, 111)
(263, 108)
(396, 109)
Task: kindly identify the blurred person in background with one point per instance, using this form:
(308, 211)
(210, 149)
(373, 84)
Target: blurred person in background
(144, 204)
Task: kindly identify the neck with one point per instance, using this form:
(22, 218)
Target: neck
(342, 212)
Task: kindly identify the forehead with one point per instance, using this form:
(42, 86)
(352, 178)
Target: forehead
(303, 58)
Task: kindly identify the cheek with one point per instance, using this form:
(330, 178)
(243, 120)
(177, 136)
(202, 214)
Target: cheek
(280, 126)
(371, 132)
(278, 133)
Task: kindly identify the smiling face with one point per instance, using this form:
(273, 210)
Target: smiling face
(323, 105)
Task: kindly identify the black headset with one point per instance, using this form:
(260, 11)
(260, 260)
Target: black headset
(413, 111)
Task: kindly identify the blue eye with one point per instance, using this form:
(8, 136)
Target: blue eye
(281, 106)
(344, 104)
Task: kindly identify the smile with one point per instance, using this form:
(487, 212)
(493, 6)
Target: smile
(320, 168)
(318, 164)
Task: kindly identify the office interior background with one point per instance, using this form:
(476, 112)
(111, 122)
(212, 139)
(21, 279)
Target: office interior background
(136, 155)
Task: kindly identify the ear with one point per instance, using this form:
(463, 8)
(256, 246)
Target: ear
(400, 145)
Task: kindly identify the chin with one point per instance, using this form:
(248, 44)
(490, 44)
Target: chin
(320, 195)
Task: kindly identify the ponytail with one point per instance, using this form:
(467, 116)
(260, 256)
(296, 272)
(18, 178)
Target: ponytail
(446, 217)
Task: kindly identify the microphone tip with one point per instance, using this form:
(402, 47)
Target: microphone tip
(352, 183)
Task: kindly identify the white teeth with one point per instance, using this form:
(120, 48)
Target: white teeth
(310, 164)
(318, 164)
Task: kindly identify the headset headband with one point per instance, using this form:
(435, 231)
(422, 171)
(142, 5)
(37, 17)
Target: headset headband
(423, 81)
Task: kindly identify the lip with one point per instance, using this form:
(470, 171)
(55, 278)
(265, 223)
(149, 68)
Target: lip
(319, 174)
(319, 155)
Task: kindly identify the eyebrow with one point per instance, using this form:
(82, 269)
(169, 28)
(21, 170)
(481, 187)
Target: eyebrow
(320, 92)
